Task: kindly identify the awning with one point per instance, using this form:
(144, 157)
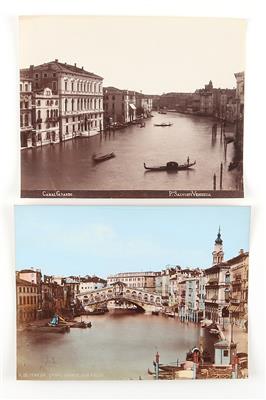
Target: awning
(232, 308)
(132, 106)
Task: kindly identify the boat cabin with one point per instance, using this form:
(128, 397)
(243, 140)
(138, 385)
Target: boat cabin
(172, 165)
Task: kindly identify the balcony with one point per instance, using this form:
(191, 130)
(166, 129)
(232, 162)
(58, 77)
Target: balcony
(212, 282)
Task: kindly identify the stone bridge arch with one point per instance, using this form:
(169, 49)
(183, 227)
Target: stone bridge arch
(120, 291)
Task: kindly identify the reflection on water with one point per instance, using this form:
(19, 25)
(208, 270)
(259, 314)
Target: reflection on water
(118, 346)
(69, 165)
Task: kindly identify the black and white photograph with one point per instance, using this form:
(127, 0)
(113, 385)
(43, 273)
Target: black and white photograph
(131, 107)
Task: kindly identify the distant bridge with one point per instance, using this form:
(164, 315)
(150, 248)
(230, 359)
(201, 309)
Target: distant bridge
(120, 291)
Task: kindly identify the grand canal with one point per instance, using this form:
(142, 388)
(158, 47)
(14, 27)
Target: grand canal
(69, 165)
(118, 346)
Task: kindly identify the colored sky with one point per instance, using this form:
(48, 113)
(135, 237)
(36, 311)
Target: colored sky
(102, 240)
(152, 54)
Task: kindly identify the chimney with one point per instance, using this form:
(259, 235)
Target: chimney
(82, 67)
(56, 60)
(75, 64)
(31, 70)
(241, 251)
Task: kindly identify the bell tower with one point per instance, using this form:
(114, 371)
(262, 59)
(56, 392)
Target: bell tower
(218, 254)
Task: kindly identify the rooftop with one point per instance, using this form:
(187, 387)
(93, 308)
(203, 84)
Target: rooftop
(61, 67)
(22, 282)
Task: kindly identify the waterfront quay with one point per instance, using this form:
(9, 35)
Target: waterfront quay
(69, 165)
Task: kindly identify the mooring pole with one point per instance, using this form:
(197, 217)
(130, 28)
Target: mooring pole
(157, 360)
(221, 176)
(214, 182)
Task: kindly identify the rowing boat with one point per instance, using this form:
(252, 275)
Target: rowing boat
(102, 157)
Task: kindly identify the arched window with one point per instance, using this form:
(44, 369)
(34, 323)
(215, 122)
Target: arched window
(65, 104)
(95, 104)
(72, 102)
(47, 112)
(66, 86)
(39, 114)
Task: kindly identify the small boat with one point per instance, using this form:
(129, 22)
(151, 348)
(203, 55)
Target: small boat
(49, 329)
(170, 368)
(155, 312)
(170, 314)
(142, 125)
(171, 166)
(162, 112)
(80, 324)
(102, 157)
(164, 124)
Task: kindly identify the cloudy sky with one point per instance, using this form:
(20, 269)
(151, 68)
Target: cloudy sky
(80, 240)
(152, 54)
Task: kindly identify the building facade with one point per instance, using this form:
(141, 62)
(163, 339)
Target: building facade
(141, 280)
(80, 95)
(217, 284)
(33, 276)
(143, 105)
(240, 92)
(27, 301)
(239, 288)
(26, 112)
(46, 118)
(119, 106)
(91, 283)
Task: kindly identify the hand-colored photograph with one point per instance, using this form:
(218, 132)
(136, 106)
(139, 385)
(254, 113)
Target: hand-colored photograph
(131, 107)
(132, 293)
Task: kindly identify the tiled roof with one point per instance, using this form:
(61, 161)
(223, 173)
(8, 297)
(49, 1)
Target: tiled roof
(64, 67)
(238, 258)
(24, 283)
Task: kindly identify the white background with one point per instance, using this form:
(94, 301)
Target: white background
(254, 162)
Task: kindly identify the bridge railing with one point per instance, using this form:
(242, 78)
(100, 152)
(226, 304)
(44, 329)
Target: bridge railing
(134, 297)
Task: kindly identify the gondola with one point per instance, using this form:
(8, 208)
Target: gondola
(99, 157)
(161, 374)
(171, 166)
(164, 124)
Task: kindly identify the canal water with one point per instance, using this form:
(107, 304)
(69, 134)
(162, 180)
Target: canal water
(69, 165)
(118, 346)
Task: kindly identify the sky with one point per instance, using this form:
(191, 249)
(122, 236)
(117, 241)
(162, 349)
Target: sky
(153, 54)
(103, 240)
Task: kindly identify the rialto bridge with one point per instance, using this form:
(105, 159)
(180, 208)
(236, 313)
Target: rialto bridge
(121, 292)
